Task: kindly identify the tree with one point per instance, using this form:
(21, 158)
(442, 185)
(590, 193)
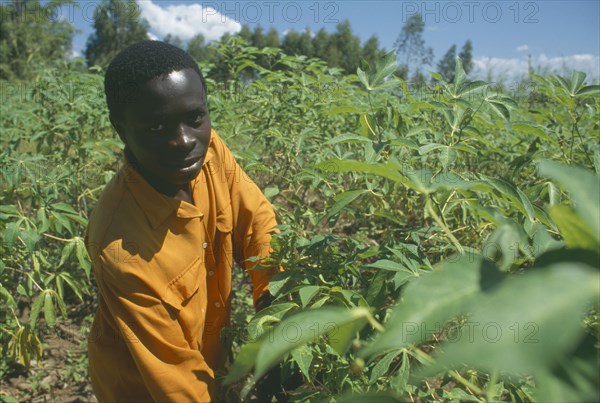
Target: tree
(30, 38)
(371, 52)
(305, 45)
(258, 37)
(411, 45)
(291, 43)
(173, 40)
(348, 45)
(198, 49)
(272, 38)
(447, 64)
(117, 24)
(320, 42)
(466, 56)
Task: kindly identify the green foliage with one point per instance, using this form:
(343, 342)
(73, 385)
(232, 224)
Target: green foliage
(59, 152)
(117, 24)
(430, 179)
(30, 37)
(437, 245)
(447, 63)
(410, 44)
(466, 55)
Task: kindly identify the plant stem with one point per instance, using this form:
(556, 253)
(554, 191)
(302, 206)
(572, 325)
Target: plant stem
(474, 388)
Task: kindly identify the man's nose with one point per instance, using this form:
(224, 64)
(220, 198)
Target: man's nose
(182, 138)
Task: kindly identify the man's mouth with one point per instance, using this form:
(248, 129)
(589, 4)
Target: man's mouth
(185, 163)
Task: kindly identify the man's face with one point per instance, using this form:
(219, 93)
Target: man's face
(167, 129)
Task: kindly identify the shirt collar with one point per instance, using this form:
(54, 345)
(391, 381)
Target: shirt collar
(156, 206)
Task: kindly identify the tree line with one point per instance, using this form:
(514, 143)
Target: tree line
(33, 39)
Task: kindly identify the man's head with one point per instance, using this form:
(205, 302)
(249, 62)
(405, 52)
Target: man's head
(157, 103)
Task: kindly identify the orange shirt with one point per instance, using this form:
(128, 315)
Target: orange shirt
(163, 270)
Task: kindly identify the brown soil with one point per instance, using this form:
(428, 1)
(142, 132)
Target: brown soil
(62, 376)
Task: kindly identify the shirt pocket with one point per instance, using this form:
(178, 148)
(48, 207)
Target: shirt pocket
(184, 286)
(222, 243)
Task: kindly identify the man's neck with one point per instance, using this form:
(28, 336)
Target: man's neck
(178, 192)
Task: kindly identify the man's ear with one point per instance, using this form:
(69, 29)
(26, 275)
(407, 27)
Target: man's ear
(116, 122)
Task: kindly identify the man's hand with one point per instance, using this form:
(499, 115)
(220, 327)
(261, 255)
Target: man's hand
(264, 301)
(269, 386)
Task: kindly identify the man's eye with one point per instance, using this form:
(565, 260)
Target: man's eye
(157, 127)
(196, 119)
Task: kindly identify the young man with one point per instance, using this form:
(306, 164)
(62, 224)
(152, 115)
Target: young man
(164, 234)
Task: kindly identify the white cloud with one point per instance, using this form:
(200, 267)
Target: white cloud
(523, 48)
(496, 68)
(187, 20)
(74, 54)
(152, 37)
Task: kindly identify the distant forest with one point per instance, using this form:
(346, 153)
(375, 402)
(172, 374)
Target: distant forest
(33, 39)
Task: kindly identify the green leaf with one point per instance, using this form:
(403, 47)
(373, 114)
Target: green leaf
(63, 207)
(66, 252)
(340, 324)
(9, 210)
(430, 147)
(432, 299)
(307, 293)
(386, 264)
(531, 129)
(576, 232)
(348, 138)
(49, 311)
(66, 277)
(585, 191)
(384, 67)
(459, 73)
(383, 365)
(271, 192)
(471, 87)
(278, 282)
(273, 312)
(574, 379)
(82, 256)
(244, 361)
(400, 381)
(500, 109)
(577, 79)
(362, 76)
(341, 109)
(370, 397)
(36, 307)
(358, 166)
(447, 157)
(588, 91)
(513, 193)
(62, 222)
(342, 200)
(502, 335)
(303, 357)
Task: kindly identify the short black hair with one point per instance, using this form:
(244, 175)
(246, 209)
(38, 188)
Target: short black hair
(139, 63)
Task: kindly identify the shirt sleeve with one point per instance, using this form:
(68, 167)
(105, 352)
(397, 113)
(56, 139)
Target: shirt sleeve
(254, 223)
(171, 369)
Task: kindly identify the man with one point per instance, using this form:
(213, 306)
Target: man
(163, 234)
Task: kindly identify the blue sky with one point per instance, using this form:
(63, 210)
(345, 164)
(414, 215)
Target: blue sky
(558, 35)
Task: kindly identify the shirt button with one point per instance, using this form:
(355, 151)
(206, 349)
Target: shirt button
(211, 273)
(217, 304)
(204, 245)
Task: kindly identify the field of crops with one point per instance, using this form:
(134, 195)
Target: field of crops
(440, 243)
